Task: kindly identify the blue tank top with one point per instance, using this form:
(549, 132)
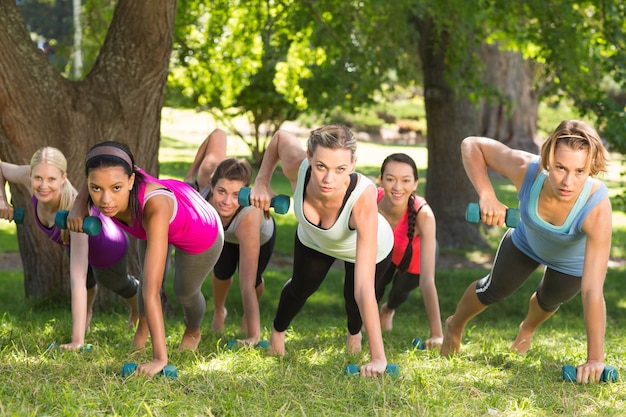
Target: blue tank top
(561, 248)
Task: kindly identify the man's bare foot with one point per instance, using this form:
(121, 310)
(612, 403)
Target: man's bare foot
(190, 341)
(141, 336)
(353, 343)
(277, 343)
(522, 342)
(386, 317)
(451, 338)
(219, 317)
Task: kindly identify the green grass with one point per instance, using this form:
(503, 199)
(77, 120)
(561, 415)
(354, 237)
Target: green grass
(485, 379)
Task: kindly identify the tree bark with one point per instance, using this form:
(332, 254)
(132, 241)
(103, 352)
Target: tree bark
(450, 117)
(511, 117)
(120, 99)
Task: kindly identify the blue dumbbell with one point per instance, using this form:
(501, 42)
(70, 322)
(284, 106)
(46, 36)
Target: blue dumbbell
(83, 348)
(280, 202)
(18, 215)
(609, 374)
(419, 343)
(392, 369)
(232, 344)
(169, 371)
(472, 215)
(91, 225)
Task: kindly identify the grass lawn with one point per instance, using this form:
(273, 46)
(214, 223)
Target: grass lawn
(485, 379)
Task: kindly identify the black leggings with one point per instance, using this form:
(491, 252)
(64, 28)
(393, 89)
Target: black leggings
(401, 286)
(511, 269)
(226, 265)
(309, 271)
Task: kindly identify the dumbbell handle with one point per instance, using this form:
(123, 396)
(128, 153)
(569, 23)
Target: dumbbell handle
(472, 215)
(280, 202)
(609, 374)
(91, 225)
(392, 369)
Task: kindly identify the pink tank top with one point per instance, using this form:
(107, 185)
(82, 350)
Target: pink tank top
(401, 240)
(194, 224)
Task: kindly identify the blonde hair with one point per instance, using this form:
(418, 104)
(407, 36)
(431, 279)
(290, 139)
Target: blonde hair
(333, 136)
(55, 157)
(577, 135)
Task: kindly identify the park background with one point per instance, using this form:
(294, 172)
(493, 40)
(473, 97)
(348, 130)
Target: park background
(412, 76)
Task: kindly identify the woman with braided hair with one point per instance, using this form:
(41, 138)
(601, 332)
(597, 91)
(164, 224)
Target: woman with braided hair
(415, 244)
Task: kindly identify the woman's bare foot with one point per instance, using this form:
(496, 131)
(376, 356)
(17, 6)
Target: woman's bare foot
(353, 343)
(141, 336)
(219, 317)
(522, 342)
(386, 317)
(190, 341)
(451, 338)
(277, 343)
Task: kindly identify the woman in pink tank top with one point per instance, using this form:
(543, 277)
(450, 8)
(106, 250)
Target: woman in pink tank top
(158, 213)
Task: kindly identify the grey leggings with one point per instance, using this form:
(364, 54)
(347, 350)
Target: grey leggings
(511, 269)
(190, 271)
(116, 278)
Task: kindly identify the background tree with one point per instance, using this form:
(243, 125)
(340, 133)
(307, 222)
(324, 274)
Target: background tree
(119, 99)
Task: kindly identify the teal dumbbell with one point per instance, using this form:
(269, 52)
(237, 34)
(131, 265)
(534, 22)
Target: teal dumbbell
(609, 374)
(232, 344)
(419, 343)
(83, 348)
(392, 369)
(169, 371)
(91, 225)
(472, 215)
(280, 202)
(18, 215)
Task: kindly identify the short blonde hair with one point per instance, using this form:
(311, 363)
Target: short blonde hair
(577, 135)
(333, 136)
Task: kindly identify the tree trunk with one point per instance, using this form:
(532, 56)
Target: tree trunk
(120, 99)
(511, 119)
(450, 117)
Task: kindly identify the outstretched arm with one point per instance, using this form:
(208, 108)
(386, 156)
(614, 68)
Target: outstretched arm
(428, 257)
(597, 226)
(79, 264)
(364, 219)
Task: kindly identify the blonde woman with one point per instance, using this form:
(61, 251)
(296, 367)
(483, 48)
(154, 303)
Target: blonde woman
(93, 259)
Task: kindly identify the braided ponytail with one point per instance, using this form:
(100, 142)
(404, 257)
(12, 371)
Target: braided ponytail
(408, 253)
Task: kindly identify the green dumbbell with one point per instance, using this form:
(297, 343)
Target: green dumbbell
(609, 374)
(169, 371)
(92, 225)
(280, 202)
(419, 343)
(353, 369)
(472, 215)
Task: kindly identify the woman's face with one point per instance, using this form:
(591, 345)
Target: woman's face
(567, 177)
(46, 181)
(398, 182)
(225, 197)
(109, 189)
(330, 172)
